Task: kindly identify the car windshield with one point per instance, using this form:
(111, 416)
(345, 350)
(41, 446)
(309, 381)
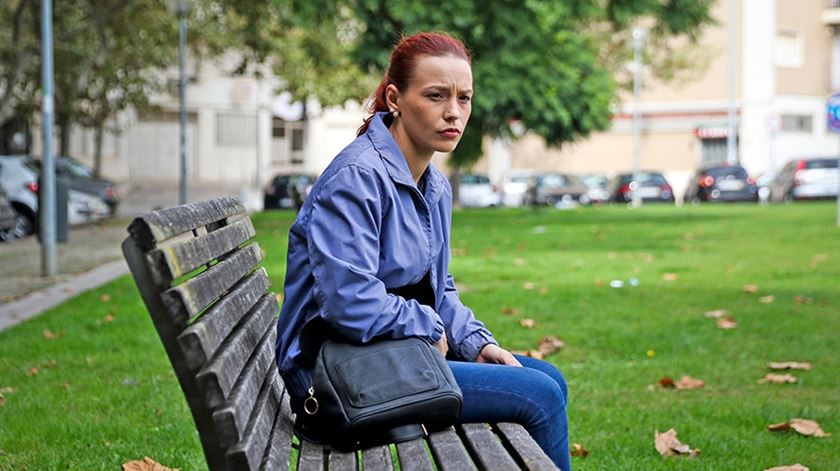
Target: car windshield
(76, 169)
(474, 180)
(820, 163)
(645, 178)
(719, 172)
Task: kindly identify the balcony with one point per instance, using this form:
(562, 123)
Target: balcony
(831, 14)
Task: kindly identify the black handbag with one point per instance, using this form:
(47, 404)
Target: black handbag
(383, 392)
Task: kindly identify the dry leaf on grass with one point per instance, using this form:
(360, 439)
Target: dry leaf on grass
(509, 311)
(670, 277)
(50, 335)
(726, 323)
(789, 365)
(105, 298)
(528, 285)
(550, 344)
(809, 428)
(715, 314)
(528, 323)
(802, 299)
(528, 353)
(543, 291)
(793, 467)
(2, 400)
(7, 390)
(778, 379)
(767, 299)
(146, 464)
(519, 262)
(666, 444)
(579, 450)
(686, 382)
(750, 288)
(32, 371)
(50, 364)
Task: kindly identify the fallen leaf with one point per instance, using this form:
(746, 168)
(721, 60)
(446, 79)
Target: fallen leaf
(686, 382)
(66, 386)
(32, 371)
(802, 426)
(767, 299)
(50, 335)
(670, 277)
(528, 285)
(778, 379)
(146, 464)
(105, 298)
(528, 323)
(599, 283)
(7, 390)
(666, 382)
(793, 467)
(790, 365)
(519, 262)
(750, 288)
(666, 444)
(50, 364)
(579, 451)
(543, 291)
(550, 344)
(509, 311)
(802, 299)
(726, 323)
(715, 314)
(108, 318)
(2, 400)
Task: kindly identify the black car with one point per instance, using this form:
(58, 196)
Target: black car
(80, 178)
(721, 183)
(8, 216)
(287, 191)
(652, 188)
(555, 189)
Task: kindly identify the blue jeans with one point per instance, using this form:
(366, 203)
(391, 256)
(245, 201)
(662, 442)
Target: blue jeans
(534, 396)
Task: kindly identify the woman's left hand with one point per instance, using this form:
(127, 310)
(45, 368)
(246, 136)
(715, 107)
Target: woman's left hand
(492, 353)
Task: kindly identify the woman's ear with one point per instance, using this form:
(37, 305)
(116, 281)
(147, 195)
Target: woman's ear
(392, 97)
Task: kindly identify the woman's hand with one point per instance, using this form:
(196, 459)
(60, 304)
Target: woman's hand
(492, 353)
(442, 346)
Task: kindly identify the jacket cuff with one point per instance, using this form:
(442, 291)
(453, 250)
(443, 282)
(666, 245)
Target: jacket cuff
(473, 343)
(438, 332)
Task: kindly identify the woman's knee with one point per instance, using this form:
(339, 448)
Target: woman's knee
(550, 370)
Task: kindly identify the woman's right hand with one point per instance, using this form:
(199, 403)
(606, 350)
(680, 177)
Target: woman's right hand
(442, 346)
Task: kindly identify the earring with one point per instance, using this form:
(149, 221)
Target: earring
(395, 113)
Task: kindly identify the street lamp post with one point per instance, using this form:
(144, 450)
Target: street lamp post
(47, 203)
(731, 153)
(181, 9)
(638, 42)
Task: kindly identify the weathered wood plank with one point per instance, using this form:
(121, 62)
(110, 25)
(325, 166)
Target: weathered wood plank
(311, 457)
(377, 459)
(248, 453)
(484, 446)
(171, 260)
(279, 447)
(528, 453)
(232, 416)
(191, 297)
(412, 455)
(340, 461)
(201, 339)
(448, 451)
(219, 375)
(150, 229)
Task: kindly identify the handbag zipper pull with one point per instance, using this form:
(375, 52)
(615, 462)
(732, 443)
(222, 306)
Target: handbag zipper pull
(310, 404)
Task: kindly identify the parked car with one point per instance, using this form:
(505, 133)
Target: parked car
(652, 187)
(555, 189)
(721, 183)
(476, 191)
(80, 177)
(811, 178)
(287, 191)
(19, 179)
(514, 186)
(8, 216)
(597, 188)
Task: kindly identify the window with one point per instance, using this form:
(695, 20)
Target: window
(790, 49)
(278, 129)
(797, 123)
(297, 140)
(236, 130)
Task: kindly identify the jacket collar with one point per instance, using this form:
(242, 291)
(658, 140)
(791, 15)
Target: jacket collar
(395, 162)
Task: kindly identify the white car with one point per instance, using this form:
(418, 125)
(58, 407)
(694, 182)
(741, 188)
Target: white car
(476, 191)
(514, 187)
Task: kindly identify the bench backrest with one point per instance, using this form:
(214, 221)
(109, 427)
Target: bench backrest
(197, 271)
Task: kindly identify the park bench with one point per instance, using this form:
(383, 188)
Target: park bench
(198, 274)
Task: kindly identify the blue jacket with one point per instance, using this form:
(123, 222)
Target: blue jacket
(364, 230)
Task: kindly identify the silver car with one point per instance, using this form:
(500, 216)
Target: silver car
(801, 179)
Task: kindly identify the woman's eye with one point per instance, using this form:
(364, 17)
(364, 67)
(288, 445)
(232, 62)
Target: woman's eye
(465, 98)
(436, 96)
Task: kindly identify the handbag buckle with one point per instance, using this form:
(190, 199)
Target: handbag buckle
(310, 404)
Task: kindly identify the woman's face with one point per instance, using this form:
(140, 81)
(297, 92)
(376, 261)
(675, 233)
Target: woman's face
(435, 108)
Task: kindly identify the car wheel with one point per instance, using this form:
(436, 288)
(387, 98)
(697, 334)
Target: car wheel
(24, 226)
(788, 198)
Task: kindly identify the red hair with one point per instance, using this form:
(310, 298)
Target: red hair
(403, 60)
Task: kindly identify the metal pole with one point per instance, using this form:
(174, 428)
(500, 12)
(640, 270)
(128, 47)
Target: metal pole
(182, 98)
(47, 203)
(638, 38)
(838, 190)
(731, 151)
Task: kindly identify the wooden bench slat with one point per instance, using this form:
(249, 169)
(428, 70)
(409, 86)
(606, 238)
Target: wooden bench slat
(248, 453)
(279, 447)
(153, 228)
(448, 451)
(171, 260)
(232, 417)
(191, 297)
(377, 459)
(341, 461)
(219, 375)
(311, 457)
(203, 337)
(413, 455)
(529, 454)
(485, 447)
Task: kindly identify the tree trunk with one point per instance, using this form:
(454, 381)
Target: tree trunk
(64, 126)
(98, 134)
(455, 183)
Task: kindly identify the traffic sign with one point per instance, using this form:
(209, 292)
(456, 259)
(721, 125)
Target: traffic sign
(832, 107)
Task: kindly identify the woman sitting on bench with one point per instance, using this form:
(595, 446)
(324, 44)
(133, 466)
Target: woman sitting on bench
(369, 252)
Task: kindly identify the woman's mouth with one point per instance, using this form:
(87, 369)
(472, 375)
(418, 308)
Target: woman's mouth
(450, 133)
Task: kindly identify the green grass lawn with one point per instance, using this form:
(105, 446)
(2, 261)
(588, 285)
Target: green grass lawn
(105, 393)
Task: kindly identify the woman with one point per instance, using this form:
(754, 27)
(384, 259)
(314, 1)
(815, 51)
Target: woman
(369, 252)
